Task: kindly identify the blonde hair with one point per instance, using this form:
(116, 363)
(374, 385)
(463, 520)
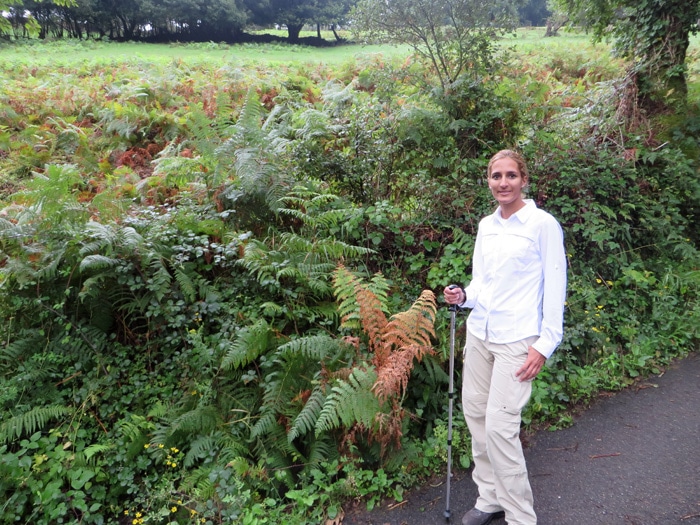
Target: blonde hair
(509, 154)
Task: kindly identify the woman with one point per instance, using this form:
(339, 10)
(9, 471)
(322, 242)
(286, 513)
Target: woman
(517, 297)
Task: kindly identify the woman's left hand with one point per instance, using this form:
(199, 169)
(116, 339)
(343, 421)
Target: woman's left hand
(532, 366)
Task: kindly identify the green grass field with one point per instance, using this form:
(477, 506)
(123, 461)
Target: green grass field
(69, 53)
(60, 53)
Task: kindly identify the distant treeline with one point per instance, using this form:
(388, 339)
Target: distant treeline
(190, 20)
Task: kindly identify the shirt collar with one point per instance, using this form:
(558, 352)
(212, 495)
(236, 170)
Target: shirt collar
(522, 214)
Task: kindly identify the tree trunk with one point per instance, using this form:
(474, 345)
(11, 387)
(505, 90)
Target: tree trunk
(293, 31)
(662, 82)
(554, 24)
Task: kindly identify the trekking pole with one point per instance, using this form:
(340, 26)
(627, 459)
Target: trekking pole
(450, 395)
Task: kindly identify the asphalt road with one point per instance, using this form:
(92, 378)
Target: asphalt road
(632, 458)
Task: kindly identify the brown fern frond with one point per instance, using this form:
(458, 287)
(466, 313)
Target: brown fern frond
(392, 378)
(415, 326)
(389, 428)
(373, 319)
(407, 338)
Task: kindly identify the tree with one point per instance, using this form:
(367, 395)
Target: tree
(653, 34)
(534, 13)
(296, 13)
(454, 36)
(10, 6)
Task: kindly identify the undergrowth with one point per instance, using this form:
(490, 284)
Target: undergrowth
(219, 284)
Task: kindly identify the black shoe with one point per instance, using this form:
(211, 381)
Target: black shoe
(477, 517)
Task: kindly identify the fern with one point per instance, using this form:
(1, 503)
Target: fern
(219, 443)
(314, 125)
(24, 345)
(322, 450)
(394, 344)
(89, 456)
(350, 402)
(307, 418)
(345, 286)
(265, 425)
(31, 421)
(187, 284)
(407, 337)
(201, 419)
(252, 342)
(321, 348)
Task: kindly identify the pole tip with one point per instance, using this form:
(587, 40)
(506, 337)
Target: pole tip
(448, 515)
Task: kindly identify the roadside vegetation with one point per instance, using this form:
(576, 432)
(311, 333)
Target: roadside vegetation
(221, 266)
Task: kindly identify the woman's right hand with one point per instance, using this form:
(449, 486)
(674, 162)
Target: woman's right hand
(454, 294)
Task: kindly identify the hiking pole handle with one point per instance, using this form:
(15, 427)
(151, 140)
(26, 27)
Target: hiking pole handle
(455, 307)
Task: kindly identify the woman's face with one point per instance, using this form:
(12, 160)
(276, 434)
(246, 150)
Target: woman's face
(506, 183)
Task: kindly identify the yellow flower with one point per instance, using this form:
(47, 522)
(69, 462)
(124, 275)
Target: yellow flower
(138, 514)
(173, 464)
(598, 281)
(146, 445)
(174, 450)
(160, 445)
(126, 512)
(135, 521)
(599, 307)
(609, 283)
(174, 509)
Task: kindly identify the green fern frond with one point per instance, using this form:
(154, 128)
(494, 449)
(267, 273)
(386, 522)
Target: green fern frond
(314, 125)
(20, 348)
(105, 241)
(350, 402)
(91, 451)
(201, 447)
(347, 288)
(265, 425)
(135, 428)
(250, 117)
(187, 285)
(31, 421)
(97, 262)
(323, 449)
(337, 97)
(252, 342)
(159, 410)
(198, 482)
(200, 420)
(307, 418)
(160, 280)
(314, 347)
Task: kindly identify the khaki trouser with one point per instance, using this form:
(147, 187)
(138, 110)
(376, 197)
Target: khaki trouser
(493, 399)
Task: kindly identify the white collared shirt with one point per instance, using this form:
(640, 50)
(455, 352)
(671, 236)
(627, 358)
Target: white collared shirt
(518, 285)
